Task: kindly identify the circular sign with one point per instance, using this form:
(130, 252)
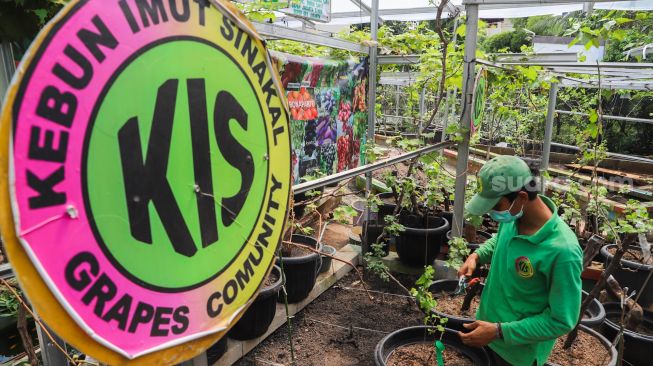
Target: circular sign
(149, 166)
(479, 99)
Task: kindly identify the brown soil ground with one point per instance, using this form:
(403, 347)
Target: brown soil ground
(322, 335)
(424, 355)
(586, 351)
(271, 279)
(448, 304)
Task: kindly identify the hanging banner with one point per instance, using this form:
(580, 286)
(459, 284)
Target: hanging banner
(318, 10)
(328, 113)
(146, 175)
(479, 99)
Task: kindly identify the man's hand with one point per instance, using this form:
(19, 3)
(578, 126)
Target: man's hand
(469, 266)
(481, 335)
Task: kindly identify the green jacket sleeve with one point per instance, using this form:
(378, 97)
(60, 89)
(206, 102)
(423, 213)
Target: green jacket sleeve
(486, 250)
(559, 318)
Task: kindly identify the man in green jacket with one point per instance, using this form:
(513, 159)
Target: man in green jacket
(533, 292)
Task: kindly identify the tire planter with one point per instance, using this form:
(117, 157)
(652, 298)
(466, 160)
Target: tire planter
(637, 346)
(300, 272)
(595, 314)
(258, 317)
(632, 275)
(420, 247)
(326, 261)
(606, 343)
(420, 334)
(595, 311)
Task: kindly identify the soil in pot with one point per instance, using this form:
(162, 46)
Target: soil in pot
(642, 328)
(632, 273)
(449, 304)
(637, 345)
(587, 350)
(424, 354)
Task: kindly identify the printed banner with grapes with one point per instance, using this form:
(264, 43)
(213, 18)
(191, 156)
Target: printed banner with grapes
(328, 107)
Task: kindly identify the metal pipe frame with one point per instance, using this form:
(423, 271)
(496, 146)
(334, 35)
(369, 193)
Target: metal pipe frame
(469, 74)
(272, 31)
(528, 2)
(548, 128)
(339, 177)
(605, 116)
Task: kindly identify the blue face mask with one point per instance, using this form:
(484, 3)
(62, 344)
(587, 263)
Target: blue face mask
(503, 217)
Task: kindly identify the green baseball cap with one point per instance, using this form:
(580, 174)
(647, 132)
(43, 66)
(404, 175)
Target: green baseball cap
(497, 178)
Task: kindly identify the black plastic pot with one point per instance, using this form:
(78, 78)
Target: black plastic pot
(637, 346)
(326, 261)
(258, 317)
(300, 272)
(631, 275)
(595, 314)
(606, 343)
(216, 351)
(420, 334)
(419, 246)
(299, 208)
(472, 246)
(449, 286)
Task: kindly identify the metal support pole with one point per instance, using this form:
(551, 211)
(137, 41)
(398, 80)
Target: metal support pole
(7, 68)
(50, 354)
(396, 100)
(422, 108)
(548, 128)
(371, 107)
(466, 118)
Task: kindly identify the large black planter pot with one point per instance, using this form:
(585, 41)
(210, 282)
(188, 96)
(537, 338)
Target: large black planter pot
(420, 247)
(455, 322)
(370, 233)
(594, 316)
(637, 346)
(471, 246)
(300, 272)
(420, 334)
(631, 275)
(216, 351)
(258, 317)
(299, 208)
(605, 342)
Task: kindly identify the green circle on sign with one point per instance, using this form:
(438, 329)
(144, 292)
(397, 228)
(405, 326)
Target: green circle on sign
(133, 93)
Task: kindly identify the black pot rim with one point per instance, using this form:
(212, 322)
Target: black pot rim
(615, 327)
(456, 318)
(328, 249)
(431, 231)
(627, 263)
(595, 320)
(482, 233)
(304, 258)
(604, 341)
(275, 287)
(378, 350)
